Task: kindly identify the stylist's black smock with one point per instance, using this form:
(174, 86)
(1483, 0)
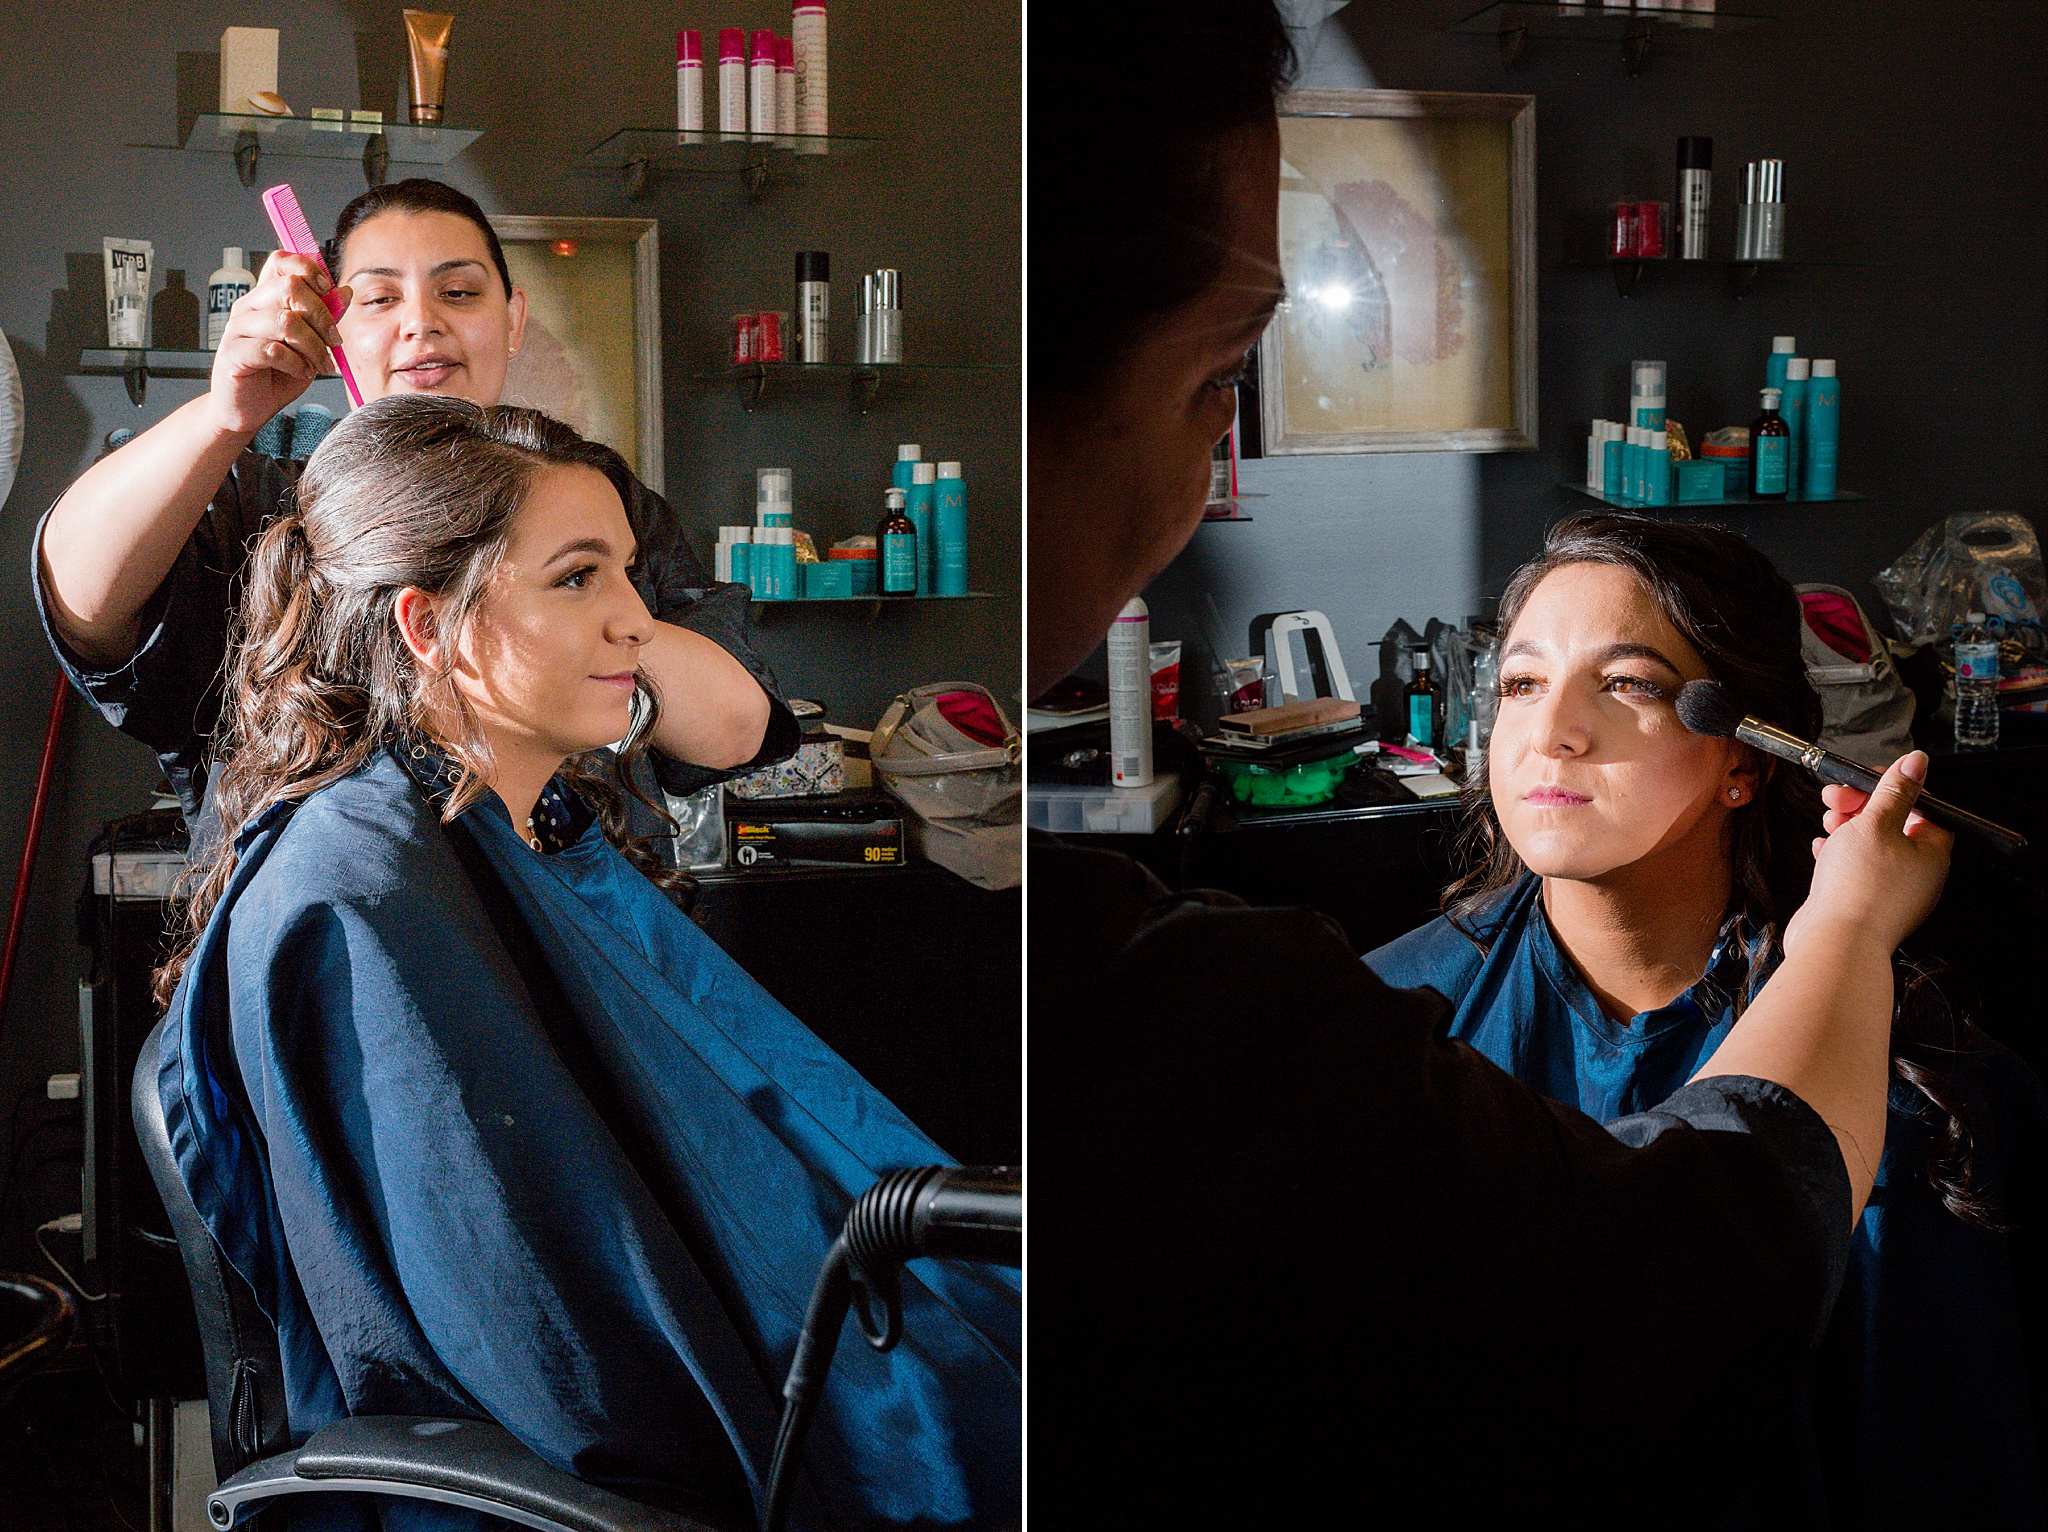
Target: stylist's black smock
(1296, 1259)
(169, 694)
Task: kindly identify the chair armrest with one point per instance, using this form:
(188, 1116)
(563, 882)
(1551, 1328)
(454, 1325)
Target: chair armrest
(471, 1463)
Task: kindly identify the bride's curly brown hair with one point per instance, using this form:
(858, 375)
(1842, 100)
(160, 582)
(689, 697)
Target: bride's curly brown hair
(1743, 618)
(416, 491)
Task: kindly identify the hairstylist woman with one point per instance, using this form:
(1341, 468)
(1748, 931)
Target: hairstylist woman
(140, 563)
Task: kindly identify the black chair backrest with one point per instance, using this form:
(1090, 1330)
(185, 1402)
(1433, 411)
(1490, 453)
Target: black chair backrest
(36, 1321)
(244, 1380)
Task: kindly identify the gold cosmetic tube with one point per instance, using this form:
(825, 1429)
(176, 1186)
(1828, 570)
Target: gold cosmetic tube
(426, 36)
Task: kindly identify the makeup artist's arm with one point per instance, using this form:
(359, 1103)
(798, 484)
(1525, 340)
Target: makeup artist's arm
(713, 712)
(1822, 1026)
(113, 537)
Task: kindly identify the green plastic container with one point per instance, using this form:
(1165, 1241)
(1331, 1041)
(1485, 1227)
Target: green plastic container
(1296, 786)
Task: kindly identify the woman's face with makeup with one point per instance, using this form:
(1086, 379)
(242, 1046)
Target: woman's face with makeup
(1591, 772)
(430, 314)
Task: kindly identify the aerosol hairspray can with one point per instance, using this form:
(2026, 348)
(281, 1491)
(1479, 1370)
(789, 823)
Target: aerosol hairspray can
(1130, 696)
(761, 89)
(732, 80)
(785, 85)
(807, 28)
(887, 325)
(1695, 195)
(813, 305)
(689, 82)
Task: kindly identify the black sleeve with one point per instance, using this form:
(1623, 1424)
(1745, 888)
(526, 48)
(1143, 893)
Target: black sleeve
(168, 694)
(1289, 1243)
(678, 589)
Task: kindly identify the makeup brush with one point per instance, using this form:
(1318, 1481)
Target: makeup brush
(1704, 708)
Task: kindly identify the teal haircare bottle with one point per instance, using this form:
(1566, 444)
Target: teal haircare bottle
(920, 507)
(1657, 454)
(1793, 411)
(1782, 347)
(1646, 394)
(1823, 424)
(1768, 442)
(1612, 480)
(742, 557)
(907, 458)
(951, 518)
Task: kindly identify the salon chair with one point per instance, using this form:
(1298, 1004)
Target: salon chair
(476, 1464)
(36, 1321)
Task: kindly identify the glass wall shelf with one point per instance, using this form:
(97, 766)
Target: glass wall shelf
(1707, 505)
(875, 604)
(756, 380)
(138, 366)
(1629, 270)
(248, 137)
(643, 155)
(1514, 22)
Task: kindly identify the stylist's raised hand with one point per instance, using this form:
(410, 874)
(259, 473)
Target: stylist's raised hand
(276, 343)
(1879, 869)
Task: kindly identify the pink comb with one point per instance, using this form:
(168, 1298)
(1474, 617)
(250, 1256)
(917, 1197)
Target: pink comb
(296, 235)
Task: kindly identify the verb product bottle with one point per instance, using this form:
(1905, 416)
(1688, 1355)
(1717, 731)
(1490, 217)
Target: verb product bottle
(1794, 412)
(689, 82)
(896, 548)
(1769, 447)
(732, 80)
(1422, 705)
(950, 516)
(923, 492)
(222, 289)
(1823, 422)
(813, 305)
(1130, 696)
(1695, 194)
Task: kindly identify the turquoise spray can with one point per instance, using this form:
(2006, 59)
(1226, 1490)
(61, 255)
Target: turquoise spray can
(951, 516)
(1782, 347)
(907, 456)
(1793, 410)
(1823, 425)
(919, 507)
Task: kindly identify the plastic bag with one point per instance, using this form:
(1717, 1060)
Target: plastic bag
(1979, 561)
(951, 756)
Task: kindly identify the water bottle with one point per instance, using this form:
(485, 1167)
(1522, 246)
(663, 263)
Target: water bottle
(1976, 684)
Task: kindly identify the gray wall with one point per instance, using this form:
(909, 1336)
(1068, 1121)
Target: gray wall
(1911, 136)
(937, 198)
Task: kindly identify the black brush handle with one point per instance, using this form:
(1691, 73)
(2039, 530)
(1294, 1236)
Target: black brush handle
(1830, 767)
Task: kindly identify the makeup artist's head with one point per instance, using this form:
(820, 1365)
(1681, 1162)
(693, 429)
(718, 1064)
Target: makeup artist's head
(434, 309)
(1154, 267)
(1591, 776)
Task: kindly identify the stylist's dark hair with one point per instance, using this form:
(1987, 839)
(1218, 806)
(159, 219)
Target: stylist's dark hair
(415, 196)
(1127, 119)
(413, 490)
(1744, 619)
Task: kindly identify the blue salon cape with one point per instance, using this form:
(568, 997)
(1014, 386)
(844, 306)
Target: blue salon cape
(591, 1208)
(1922, 1406)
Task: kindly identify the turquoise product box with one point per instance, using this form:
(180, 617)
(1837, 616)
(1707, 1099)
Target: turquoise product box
(866, 575)
(1701, 479)
(827, 581)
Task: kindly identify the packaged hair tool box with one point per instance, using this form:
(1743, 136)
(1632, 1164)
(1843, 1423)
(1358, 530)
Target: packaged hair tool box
(850, 829)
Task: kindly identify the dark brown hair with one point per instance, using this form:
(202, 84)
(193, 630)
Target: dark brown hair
(410, 490)
(1744, 620)
(1129, 164)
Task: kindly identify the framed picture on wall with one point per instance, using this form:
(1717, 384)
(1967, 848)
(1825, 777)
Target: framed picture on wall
(1407, 238)
(592, 353)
